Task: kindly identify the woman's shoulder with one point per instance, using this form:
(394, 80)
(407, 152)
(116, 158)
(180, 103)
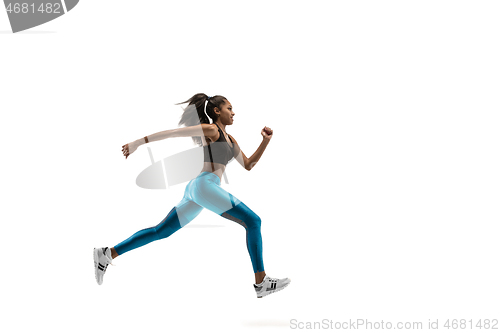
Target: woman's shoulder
(231, 137)
(209, 127)
(210, 131)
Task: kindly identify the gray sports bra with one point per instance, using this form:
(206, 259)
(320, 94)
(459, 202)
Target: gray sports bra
(220, 152)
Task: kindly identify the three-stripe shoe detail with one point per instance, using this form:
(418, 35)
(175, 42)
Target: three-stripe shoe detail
(102, 258)
(101, 266)
(270, 285)
(273, 284)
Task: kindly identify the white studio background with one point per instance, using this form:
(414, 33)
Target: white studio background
(378, 192)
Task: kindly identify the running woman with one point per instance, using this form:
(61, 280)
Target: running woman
(204, 191)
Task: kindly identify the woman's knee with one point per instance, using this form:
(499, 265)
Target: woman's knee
(243, 216)
(254, 221)
(168, 226)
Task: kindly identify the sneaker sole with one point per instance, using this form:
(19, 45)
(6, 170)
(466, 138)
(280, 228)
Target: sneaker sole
(269, 293)
(96, 260)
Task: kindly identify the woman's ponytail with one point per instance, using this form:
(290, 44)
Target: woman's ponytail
(196, 113)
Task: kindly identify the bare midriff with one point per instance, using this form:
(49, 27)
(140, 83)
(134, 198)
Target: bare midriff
(216, 168)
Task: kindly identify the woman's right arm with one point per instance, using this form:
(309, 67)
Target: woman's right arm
(197, 130)
(209, 130)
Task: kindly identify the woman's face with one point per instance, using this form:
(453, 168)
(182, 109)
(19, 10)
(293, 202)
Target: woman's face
(226, 113)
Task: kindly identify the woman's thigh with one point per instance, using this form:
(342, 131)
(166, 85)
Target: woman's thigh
(187, 210)
(208, 194)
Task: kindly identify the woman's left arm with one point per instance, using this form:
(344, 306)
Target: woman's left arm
(249, 163)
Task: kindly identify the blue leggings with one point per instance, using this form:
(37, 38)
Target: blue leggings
(203, 192)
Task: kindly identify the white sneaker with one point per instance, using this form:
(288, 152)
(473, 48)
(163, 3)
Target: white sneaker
(270, 285)
(102, 257)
